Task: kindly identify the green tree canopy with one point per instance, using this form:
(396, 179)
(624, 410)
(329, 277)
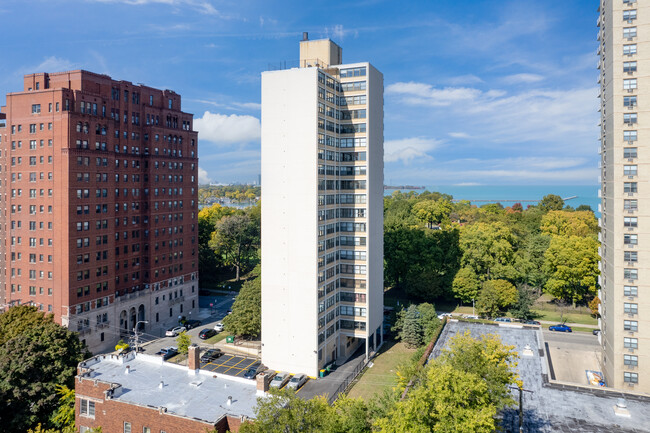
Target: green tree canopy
(572, 264)
(183, 341)
(235, 239)
(551, 202)
(495, 296)
(38, 355)
(246, 316)
(488, 248)
(564, 223)
(466, 285)
(432, 212)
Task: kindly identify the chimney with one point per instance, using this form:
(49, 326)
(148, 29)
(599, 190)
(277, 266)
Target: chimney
(193, 358)
(263, 380)
(305, 36)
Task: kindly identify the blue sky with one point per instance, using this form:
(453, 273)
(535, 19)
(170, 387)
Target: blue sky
(476, 92)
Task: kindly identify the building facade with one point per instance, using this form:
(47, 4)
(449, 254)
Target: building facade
(624, 43)
(99, 205)
(322, 219)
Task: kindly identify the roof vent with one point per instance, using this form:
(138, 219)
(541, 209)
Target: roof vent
(128, 369)
(161, 385)
(620, 408)
(305, 36)
(229, 402)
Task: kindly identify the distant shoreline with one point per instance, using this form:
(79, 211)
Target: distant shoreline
(403, 187)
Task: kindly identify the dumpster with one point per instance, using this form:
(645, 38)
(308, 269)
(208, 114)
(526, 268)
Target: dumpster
(230, 339)
(322, 373)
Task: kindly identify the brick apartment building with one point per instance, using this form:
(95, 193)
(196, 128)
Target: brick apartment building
(142, 393)
(98, 204)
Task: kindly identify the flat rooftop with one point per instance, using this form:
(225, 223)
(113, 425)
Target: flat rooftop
(547, 408)
(201, 396)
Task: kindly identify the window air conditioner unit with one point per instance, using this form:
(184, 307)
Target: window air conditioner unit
(630, 38)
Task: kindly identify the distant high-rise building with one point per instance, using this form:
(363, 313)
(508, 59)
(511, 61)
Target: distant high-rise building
(322, 218)
(624, 30)
(98, 205)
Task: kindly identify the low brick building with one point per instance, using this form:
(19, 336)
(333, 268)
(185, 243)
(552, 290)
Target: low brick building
(142, 393)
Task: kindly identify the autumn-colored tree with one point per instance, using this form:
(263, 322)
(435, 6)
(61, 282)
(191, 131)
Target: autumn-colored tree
(565, 223)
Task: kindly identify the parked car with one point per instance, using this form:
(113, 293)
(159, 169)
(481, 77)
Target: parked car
(229, 312)
(532, 322)
(211, 355)
(443, 315)
(596, 331)
(189, 324)
(280, 379)
(503, 319)
(207, 333)
(218, 327)
(173, 332)
(560, 328)
(471, 316)
(253, 370)
(297, 381)
(167, 352)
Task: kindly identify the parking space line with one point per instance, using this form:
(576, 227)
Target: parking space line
(242, 360)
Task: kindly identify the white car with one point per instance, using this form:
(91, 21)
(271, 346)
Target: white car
(173, 332)
(218, 327)
(280, 379)
(297, 381)
(443, 315)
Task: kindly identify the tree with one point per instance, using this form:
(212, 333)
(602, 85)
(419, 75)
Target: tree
(593, 306)
(525, 300)
(64, 415)
(429, 320)
(348, 415)
(564, 223)
(246, 316)
(489, 250)
(466, 285)
(412, 333)
(183, 341)
(209, 261)
(584, 207)
(36, 355)
(460, 391)
(284, 412)
(495, 296)
(235, 239)
(432, 212)
(572, 265)
(551, 202)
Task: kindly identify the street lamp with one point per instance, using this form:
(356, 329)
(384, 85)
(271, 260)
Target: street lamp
(473, 313)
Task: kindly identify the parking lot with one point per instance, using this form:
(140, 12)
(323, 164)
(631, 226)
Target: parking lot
(232, 365)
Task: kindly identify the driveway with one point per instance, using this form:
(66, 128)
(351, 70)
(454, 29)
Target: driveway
(573, 353)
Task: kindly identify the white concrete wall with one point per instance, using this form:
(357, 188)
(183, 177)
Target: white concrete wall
(290, 220)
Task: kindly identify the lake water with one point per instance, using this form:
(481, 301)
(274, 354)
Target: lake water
(507, 195)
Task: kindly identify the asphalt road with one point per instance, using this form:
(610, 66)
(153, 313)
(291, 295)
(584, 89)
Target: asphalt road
(571, 338)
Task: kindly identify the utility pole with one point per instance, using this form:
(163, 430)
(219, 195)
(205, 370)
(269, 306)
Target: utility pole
(136, 336)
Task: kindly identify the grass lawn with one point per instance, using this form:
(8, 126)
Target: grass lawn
(217, 338)
(554, 316)
(382, 375)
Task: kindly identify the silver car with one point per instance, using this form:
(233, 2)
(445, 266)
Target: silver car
(297, 381)
(173, 332)
(280, 379)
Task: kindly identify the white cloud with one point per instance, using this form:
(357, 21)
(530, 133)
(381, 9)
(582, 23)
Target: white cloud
(53, 64)
(203, 177)
(408, 149)
(522, 78)
(464, 80)
(459, 135)
(424, 94)
(226, 129)
(202, 6)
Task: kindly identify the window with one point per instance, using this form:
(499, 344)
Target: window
(630, 187)
(629, 170)
(629, 50)
(146, 430)
(630, 221)
(631, 360)
(629, 118)
(36, 108)
(630, 290)
(629, 377)
(629, 84)
(631, 256)
(127, 425)
(631, 325)
(629, 135)
(630, 204)
(629, 32)
(629, 152)
(630, 274)
(629, 239)
(629, 15)
(629, 101)
(629, 308)
(629, 67)
(630, 343)
(87, 408)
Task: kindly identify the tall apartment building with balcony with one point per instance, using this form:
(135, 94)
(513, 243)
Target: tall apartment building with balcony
(322, 218)
(98, 205)
(624, 63)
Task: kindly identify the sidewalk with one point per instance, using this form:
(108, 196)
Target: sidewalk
(577, 325)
